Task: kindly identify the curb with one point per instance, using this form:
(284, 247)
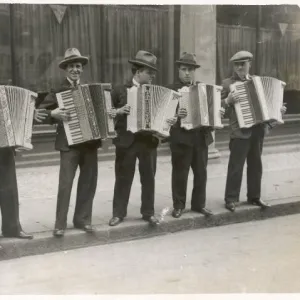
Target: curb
(44, 242)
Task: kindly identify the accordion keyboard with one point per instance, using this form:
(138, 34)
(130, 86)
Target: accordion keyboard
(245, 105)
(74, 125)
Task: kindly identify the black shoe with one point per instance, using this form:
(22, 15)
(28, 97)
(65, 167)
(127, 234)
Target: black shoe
(20, 235)
(152, 220)
(258, 202)
(86, 228)
(58, 232)
(230, 206)
(204, 211)
(176, 213)
(115, 221)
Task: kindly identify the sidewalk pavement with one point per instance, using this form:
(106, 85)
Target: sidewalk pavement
(38, 190)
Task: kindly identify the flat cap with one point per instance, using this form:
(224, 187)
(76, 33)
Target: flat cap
(241, 56)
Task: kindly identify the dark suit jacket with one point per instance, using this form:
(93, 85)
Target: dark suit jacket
(61, 142)
(236, 131)
(180, 135)
(124, 137)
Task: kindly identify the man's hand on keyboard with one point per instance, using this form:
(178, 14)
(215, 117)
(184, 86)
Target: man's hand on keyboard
(232, 98)
(172, 121)
(182, 113)
(60, 114)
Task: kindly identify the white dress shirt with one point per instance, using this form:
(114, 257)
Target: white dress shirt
(72, 81)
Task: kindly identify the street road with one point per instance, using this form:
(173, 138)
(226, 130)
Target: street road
(261, 256)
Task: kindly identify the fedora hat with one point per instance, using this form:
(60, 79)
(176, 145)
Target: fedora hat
(241, 56)
(144, 58)
(73, 55)
(187, 59)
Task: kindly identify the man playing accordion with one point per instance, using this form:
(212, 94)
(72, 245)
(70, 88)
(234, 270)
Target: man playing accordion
(189, 148)
(245, 143)
(9, 198)
(131, 146)
(83, 155)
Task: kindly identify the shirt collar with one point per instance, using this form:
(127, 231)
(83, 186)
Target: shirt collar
(186, 84)
(72, 82)
(236, 77)
(135, 83)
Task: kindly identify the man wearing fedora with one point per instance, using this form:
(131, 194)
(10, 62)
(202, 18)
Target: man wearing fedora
(245, 143)
(189, 148)
(132, 146)
(83, 155)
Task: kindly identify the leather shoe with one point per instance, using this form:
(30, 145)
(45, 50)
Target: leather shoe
(259, 202)
(115, 221)
(20, 235)
(230, 206)
(176, 213)
(58, 232)
(206, 212)
(86, 228)
(152, 220)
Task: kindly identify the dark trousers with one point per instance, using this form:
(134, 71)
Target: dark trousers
(240, 150)
(87, 161)
(124, 171)
(9, 199)
(184, 157)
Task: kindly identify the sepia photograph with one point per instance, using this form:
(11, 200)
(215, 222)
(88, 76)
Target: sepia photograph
(149, 149)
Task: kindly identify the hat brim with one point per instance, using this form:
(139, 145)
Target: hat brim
(241, 60)
(180, 62)
(83, 59)
(143, 64)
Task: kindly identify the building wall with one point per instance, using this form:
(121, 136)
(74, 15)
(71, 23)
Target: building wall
(198, 35)
(108, 34)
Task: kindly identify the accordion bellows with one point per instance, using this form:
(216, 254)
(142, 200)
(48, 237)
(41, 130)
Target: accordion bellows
(260, 100)
(88, 105)
(203, 104)
(17, 107)
(151, 106)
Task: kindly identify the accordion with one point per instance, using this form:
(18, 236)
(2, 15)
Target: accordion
(260, 100)
(151, 106)
(203, 104)
(17, 107)
(88, 105)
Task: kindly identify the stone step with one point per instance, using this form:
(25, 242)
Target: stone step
(270, 146)
(44, 153)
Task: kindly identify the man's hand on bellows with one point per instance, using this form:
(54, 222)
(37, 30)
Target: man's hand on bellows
(40, 115)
